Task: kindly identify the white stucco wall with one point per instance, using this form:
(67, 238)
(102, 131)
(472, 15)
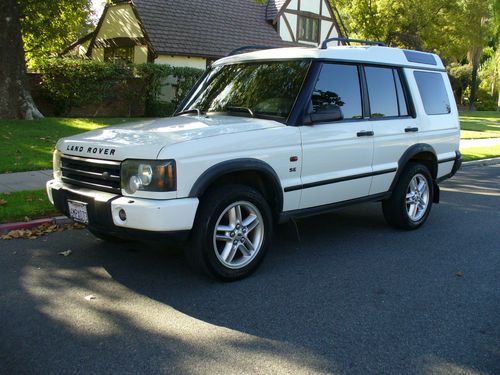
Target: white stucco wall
(182, 61)
(310, 6)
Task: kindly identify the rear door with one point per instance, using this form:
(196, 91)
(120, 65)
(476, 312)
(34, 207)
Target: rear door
(337, 155)
(394, 127)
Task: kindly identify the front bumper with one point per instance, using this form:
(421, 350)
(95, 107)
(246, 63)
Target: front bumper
(144, 217)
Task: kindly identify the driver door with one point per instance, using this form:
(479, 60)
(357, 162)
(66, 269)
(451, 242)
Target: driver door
(336, 153)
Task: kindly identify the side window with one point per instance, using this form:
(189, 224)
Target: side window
(433, 93)
(382, 92)
(338, 86)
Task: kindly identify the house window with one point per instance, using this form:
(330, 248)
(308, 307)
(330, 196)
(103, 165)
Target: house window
(123, 55)
(308, 29)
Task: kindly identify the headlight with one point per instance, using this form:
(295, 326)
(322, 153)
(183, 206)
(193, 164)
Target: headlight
(56, 165)
(148, 175)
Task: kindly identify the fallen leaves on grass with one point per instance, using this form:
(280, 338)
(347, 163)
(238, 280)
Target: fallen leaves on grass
(39, 231)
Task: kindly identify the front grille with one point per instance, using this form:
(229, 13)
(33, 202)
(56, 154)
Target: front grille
(103, 175)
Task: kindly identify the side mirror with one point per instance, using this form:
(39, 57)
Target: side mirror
(327, 114)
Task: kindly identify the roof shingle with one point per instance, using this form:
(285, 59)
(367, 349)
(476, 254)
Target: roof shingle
(206, 28)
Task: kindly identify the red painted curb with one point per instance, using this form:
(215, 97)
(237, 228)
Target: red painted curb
(24, 225)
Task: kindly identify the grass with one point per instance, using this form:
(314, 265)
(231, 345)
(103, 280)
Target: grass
(481, 124)
(16, 206)
(476, 153)
(28, 145)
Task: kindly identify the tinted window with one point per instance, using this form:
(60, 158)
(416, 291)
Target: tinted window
(338, 85)
(433, 93)
(251, 89)
(382, 92)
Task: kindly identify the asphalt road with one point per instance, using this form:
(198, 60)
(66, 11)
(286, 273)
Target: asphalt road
(351, 296)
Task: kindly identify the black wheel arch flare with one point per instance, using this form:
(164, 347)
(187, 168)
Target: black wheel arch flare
(207, 178)
(428, 155)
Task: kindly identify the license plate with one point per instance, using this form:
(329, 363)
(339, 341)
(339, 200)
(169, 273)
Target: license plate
(78, 211)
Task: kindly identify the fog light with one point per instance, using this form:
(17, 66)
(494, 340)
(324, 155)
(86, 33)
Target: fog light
(122, 215)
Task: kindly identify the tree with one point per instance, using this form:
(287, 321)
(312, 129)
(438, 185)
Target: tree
(47, 27)
(50, 26)
(422, 25)
(15, 98)
(476, 26)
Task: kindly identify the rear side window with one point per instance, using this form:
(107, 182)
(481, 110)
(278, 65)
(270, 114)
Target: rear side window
(338, 85)
(385, 92)
(433, 93)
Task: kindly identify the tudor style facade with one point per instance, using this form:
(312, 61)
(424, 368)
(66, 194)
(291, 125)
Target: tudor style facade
(303, 21)
(192, 33)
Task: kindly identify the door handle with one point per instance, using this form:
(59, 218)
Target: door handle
(411, 130)
(365, 133)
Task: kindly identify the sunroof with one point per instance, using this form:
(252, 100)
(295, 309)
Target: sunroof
(420, 57)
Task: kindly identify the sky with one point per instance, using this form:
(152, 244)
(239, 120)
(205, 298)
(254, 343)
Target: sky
(97, 6)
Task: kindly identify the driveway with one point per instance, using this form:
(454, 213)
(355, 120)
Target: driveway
(340, 293)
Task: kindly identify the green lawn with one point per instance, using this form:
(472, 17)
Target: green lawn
(28, 145)
(476, 153)
(18, 205)
(481, 124)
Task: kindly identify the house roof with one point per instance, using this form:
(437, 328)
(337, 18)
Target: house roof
(273, 8)
(206, 28)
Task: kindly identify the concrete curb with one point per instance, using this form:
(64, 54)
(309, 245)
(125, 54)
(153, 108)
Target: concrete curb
(59, 220)
(481, 162)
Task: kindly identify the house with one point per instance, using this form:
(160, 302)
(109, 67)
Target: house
(192, 33)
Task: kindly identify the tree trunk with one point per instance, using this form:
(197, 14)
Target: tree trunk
(473, 87)
(15, 98)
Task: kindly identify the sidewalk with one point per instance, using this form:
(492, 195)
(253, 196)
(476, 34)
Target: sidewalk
(33, 180)
(481, 142)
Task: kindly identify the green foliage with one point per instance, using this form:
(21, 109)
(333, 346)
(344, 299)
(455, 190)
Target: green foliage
(186, 78)
(50, 26)
(72, 83)
(75, 83)
(484, 101)
(460, 77)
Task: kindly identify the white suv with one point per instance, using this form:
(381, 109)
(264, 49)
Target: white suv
(262, 137)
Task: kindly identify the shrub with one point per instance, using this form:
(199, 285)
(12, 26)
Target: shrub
(485, 102)
(460, 78)
(70, 83)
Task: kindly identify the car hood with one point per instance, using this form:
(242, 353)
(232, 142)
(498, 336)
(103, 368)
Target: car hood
(146, 138)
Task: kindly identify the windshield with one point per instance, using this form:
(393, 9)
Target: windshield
(256, 89)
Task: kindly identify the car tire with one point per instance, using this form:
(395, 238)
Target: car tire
(232, 232)
(411, 200)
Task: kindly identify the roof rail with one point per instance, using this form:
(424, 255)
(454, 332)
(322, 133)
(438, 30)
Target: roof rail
(324, 45)
(239, 49)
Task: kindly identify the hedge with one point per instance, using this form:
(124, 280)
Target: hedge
(69, 83)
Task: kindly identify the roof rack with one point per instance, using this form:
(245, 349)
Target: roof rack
(239, 49)
(324, 45)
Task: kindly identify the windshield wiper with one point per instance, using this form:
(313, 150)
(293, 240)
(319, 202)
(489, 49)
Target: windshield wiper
(189, 111)
(240, 109)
